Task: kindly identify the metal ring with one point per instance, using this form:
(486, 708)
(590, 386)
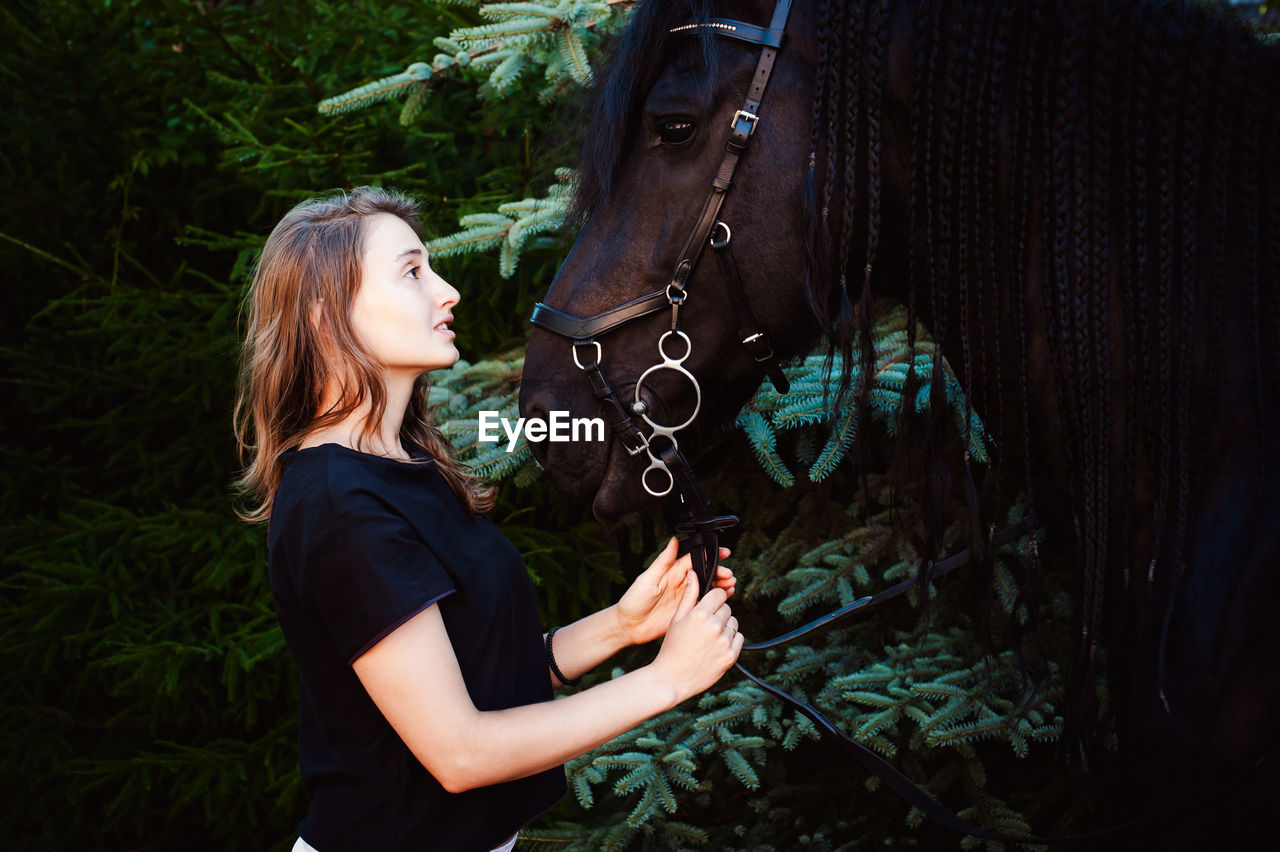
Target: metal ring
(599, 352)
(697, 397)
(728, 235)
(667, 360)
(644, 479)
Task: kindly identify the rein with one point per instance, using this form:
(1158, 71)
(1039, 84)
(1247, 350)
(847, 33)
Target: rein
(699, 529)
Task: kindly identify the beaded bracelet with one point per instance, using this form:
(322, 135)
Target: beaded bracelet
(551, 662)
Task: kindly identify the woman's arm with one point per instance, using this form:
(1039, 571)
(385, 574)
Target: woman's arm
(413, 677)
(642, 614)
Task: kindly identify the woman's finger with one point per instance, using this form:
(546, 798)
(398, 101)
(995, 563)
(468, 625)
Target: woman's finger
(689, 599)
(711, 602)
(726, 580)
(724, 554)
(662, 563)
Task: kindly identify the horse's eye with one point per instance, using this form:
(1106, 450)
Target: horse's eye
(674, 131)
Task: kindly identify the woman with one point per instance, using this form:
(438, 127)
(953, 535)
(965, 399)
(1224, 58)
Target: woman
(425, 718)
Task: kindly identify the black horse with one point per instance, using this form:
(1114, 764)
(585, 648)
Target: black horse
(1081, 200)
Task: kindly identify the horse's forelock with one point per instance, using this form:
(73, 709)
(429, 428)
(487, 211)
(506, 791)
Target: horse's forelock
(638, 57)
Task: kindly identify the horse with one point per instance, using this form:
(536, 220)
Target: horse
(1080, 201)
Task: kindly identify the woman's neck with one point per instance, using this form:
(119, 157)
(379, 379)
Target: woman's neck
(350, 432)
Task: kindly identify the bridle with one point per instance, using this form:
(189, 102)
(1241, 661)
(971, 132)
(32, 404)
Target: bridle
(668, 468)
(699, 528)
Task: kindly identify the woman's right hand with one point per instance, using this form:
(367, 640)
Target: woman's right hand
(702, 642)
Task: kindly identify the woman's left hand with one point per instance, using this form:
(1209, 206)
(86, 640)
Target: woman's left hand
(644, 613)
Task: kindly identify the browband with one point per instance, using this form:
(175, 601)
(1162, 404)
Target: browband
(739, 30)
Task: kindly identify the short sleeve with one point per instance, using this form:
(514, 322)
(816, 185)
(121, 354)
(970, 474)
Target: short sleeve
(367, 574)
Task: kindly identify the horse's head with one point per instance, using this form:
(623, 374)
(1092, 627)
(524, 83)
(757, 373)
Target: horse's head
(658, 138)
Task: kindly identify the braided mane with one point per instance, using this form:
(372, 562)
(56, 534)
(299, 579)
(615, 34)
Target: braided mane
(1142, 150)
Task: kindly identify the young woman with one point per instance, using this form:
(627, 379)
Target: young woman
(425, 717)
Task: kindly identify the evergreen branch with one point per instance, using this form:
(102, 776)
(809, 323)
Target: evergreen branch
(83, 274)
(508, 229)
(379, 90)
(574, 54)
(741, 769)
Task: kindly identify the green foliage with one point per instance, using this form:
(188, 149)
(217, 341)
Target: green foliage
(149, 698)
(807, 401)
(411, 82)
(561, 38)
(461, 392)
(558, 37)
(933, 702)
(509, 228)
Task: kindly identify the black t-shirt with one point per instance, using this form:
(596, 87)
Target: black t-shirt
(358, 545)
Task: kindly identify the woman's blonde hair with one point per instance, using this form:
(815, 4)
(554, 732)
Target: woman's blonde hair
(312, 257)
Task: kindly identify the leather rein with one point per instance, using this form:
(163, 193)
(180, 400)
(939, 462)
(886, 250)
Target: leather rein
(668, 469)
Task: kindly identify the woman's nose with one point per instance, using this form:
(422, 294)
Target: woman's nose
(447, 292)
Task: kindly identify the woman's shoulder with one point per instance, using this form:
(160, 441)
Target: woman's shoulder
(334, 480)
(337, 464)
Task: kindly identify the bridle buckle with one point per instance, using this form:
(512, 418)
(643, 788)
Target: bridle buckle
(749, 117)
(599, 353)
(635, 451)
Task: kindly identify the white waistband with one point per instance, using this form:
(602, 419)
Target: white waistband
(301, 845)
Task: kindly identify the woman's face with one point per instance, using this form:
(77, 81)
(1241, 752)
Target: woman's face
(402, 310)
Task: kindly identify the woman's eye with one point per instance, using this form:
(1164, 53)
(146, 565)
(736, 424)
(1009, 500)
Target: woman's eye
(414, 272)
(675, 131)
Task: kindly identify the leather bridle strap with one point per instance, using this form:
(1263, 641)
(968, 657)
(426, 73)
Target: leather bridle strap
(632, 439)
(740, 31)
(585, 328)
(743, 125)
(749, 333)
(699, 520)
